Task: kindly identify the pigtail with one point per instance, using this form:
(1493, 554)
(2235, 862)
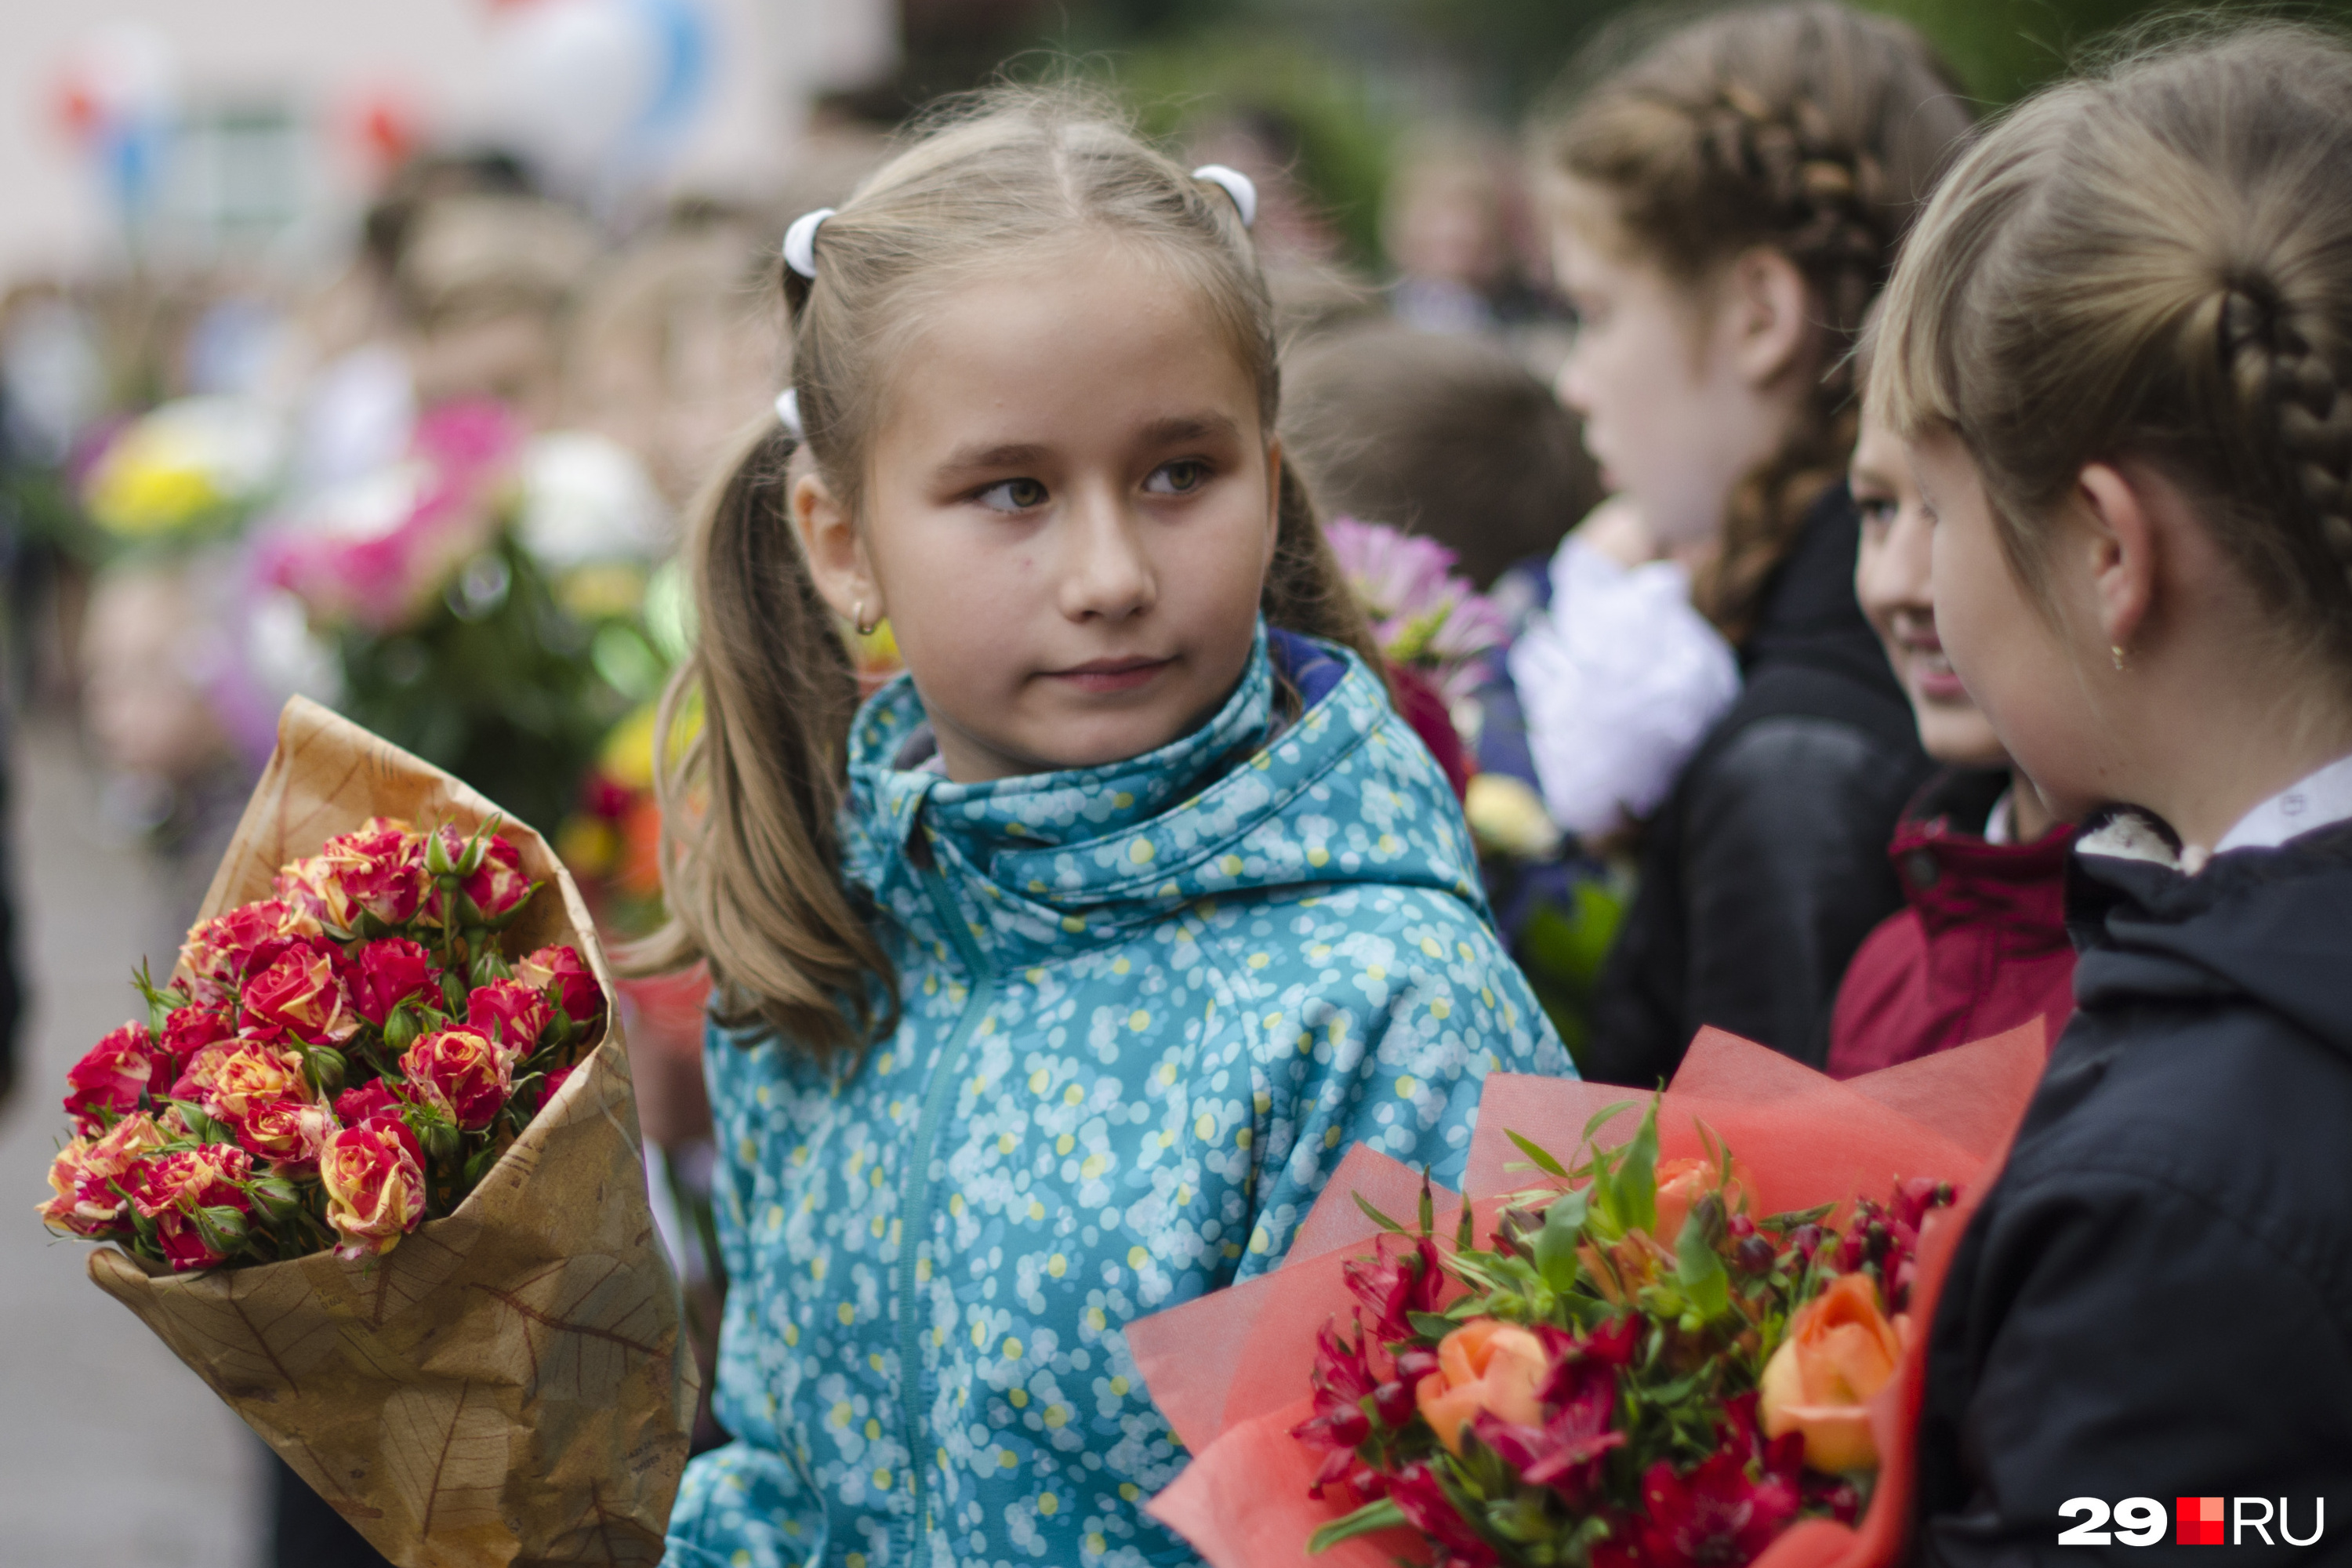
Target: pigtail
(752, 743)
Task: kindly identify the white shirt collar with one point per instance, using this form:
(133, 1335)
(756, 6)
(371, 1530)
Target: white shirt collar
(2001, 823)
(2315, 802)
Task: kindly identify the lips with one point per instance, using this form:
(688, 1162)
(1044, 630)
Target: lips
(1112, 675)
(1929, 671)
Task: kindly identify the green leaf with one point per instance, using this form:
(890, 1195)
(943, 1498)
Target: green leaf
(1376, 1216)
(1465, 1235)
(1637, 1178)
(1543, 1162)
(1698, 1266)
(1381, 1513)
(1433, 1325)
(1428, 1207)
(1563, 1228)
(1602, 1117)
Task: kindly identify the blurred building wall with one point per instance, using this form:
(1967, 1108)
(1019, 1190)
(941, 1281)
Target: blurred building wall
(271, 95)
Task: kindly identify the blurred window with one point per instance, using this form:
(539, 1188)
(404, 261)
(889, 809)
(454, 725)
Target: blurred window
(239, 175)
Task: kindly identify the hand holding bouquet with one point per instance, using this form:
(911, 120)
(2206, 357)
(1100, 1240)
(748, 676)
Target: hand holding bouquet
(372, 1163)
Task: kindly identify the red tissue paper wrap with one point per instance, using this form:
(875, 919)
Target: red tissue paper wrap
(1229, 1370)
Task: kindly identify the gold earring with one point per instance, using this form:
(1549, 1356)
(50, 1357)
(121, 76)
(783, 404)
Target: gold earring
(2116, 649)
(857, 616)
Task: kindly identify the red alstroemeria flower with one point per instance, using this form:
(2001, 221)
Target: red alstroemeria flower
(1566, 1452)
(1342, 1377)
(1392, 1288)
(1717, 1516)
(1428, 1510)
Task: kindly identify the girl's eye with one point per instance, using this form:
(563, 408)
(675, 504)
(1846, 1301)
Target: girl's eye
(1013, 495)
(1180, 478)
(1877, 511)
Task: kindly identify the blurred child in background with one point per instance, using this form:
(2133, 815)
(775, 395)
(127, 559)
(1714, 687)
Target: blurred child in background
(1727, 206)
(1981, 946)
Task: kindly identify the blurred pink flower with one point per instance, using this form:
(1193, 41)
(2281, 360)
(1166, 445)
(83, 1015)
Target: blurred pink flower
(375, 551)
(1423, 613)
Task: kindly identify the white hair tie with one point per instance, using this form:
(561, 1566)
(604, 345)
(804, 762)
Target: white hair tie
(788, 413)
(800, 242)
(1238, 186)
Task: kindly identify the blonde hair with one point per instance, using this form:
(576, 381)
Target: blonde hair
(1811, 129)
(2153, 262)
(750, 859)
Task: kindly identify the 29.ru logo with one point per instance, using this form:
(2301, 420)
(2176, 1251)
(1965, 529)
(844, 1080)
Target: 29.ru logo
(2200, 1521)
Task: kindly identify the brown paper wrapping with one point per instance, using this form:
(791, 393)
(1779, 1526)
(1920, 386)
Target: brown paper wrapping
(509, 1385)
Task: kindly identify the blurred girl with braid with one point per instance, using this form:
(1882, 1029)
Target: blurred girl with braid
(1055, 980)
(2119, 350)
(1726, 207)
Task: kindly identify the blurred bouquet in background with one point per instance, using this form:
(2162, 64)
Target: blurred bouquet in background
(188, 472)
(486, 599)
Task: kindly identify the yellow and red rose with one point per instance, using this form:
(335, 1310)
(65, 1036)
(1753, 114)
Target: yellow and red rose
(289, 1131)
(301, 994)
(512, 1013)
(565, 978)
(461, 1073)
(374, 1176)
(85, 1174)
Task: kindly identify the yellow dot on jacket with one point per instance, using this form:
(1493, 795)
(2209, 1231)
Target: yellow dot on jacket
(1048, 1503)
(1140, 851)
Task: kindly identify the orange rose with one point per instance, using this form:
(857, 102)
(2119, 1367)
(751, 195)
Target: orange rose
(1840, 1350)
(1484, 1365)
(375, 1180)
(1681, 1185)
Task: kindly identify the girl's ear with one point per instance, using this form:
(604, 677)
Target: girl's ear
(1763, 315)
(836, 555)
(2121, 539)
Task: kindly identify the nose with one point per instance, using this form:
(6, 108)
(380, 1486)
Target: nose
(1107, 572)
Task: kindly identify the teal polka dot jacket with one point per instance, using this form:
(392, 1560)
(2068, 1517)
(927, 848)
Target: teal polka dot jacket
(1146, 1009)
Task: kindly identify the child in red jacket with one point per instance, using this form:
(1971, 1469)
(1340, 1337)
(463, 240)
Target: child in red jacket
(1981, 945)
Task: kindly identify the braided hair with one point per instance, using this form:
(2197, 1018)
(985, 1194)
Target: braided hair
(1811, 129)
(2153, 262)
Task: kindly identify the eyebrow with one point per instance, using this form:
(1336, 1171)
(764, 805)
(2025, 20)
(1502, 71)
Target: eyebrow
(1172, 431)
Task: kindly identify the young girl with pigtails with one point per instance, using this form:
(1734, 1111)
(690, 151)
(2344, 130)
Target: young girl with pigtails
(2119, 350)
(1725, 206)
(1054, 981)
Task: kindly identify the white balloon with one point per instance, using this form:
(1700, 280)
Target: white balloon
(578, 76)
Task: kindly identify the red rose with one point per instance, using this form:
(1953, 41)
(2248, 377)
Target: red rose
(374, 1180)
(389, 972)
(230, 946)
(302, 995)
(554, 1081)
(371, 1101)
(170, 1188)
(459, 1073)
(85, 1174)
(190, 1178)
(511, 1013)
(187, 1030)
(288, 1132)
(565, 976)
(378, 870)
(111, 1078)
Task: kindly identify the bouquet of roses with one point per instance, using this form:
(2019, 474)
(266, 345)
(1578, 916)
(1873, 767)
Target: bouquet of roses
(1664, 1353)
(318, 1075)
(1635, 1372)
(370, 1167)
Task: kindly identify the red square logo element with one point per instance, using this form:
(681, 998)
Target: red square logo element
(2198, 1521)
